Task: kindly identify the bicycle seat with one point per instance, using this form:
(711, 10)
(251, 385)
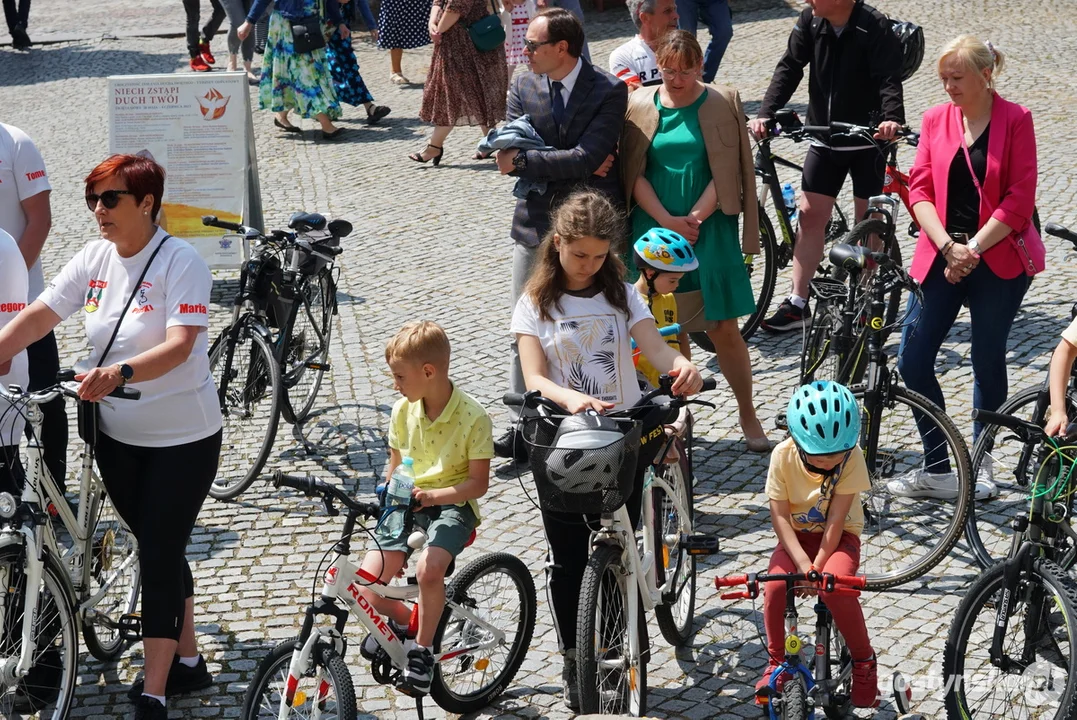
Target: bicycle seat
(305, 222)
(850, 257)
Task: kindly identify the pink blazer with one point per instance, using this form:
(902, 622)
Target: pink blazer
(1009, 187)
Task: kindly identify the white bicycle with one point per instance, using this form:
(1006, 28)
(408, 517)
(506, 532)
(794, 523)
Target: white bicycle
(627, 574)
(57, 581)
(479, 644)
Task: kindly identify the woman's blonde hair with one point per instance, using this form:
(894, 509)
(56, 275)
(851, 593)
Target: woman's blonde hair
(976, 54)
(679, 47)
(584, 213)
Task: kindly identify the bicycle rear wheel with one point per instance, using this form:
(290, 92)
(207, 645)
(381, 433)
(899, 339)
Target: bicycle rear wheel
(820, 360)
(1040, 652)
(307, 354)
(50, 685)
(499, 589)
(610, 681)
(249, 387)
(676, 612)
(870, 233)
(111, 545)
(905, 537)
(1001, 457)
(324, 690)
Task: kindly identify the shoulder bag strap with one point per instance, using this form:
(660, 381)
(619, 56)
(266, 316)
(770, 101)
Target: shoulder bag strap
(131, 299)
(968, 159)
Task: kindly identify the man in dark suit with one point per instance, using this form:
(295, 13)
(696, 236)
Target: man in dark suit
(579, 111)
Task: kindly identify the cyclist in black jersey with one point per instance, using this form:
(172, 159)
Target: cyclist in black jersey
(856, 62)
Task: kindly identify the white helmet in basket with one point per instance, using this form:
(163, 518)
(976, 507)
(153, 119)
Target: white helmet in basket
(586, 454)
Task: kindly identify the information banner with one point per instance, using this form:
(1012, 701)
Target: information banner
(198, 127)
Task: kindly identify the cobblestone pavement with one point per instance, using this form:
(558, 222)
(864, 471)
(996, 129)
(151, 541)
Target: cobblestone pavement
(432, 243)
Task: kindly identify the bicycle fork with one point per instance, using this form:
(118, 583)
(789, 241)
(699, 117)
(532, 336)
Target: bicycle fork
(13, 669)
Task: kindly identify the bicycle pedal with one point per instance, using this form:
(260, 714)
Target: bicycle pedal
(130, 627)
(781, 422)
(317, 367)
(699, 544)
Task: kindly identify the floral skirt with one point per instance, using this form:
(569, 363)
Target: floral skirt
(295, 81)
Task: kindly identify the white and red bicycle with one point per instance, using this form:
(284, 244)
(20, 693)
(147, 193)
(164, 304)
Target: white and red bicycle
(480, 642)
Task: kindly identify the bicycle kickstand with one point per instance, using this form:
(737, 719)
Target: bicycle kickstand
(419, 706)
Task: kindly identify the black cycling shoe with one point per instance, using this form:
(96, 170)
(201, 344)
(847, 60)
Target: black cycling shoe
(511, 445)
(787, 317)
(420, 670)
(570, 691)
(181, 680)
(147, 708)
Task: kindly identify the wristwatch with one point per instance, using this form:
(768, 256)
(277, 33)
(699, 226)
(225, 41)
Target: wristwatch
(519, 160)
(126, 373)
(974, 246)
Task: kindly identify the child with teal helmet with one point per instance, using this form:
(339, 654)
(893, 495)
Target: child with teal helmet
(663, 257)
(814, 485)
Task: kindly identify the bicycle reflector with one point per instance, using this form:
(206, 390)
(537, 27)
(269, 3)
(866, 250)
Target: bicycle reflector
(8, 506)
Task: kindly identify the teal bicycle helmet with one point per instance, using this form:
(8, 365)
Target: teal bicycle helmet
(665, 251)
(824, 418)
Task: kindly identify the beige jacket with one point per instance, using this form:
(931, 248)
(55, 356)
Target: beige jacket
(729, 151)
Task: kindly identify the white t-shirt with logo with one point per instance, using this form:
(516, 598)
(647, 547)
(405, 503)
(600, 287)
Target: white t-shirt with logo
(587, 344)
(635, 63)
(181, 406)
(12, 301)
(22, 175)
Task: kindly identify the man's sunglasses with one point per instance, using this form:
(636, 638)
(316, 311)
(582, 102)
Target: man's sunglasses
(110, 198)
(533, 45)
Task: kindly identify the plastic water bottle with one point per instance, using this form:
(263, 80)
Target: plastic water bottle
(401, 484)
(789, 197)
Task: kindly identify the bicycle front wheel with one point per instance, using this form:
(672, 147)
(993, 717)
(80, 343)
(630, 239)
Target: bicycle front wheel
(249, 387)
(307, 354)
(324, 690)
(611, 681)
(1034, 678)
(110, 563)
(49, 687)
(673, 564)
(794, 700)
(1001, 457)
(499, 589)
(905, 537)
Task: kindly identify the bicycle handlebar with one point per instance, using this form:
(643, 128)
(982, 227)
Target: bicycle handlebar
(1026, 431)
(849, 585)
(1061, 232)
(67, 386)
(212, 221)
(311, 486)
(533, 398)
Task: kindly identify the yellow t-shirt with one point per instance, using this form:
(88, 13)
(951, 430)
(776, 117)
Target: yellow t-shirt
(664, 309)
(788, 479)
(1070, 333)
(441, 449)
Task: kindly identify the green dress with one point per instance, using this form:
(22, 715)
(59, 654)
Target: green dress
(679, 171)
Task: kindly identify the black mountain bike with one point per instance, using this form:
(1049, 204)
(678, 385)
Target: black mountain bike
(1011, 650)
(270, 360)
(901, 433)
(1006, 458)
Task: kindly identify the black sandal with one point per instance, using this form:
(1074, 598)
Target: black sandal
(377, 114)
(418, 157)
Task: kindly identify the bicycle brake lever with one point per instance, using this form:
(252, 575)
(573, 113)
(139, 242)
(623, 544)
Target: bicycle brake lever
(704, 403)
(330, 508)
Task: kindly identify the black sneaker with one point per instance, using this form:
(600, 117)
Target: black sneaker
(511, 445)
(420, 670)
(787, 317)
(19, 39)
(181, 680)
(369, 648)
(147, 708)
(571, 691)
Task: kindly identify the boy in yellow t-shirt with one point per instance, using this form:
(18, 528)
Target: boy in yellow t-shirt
(814, 485)
(663, 257)
(449, 438)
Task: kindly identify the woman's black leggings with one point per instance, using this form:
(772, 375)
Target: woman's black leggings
(158, 492)
(569, 537)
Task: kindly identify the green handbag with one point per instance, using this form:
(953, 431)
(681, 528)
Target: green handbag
(487, 33)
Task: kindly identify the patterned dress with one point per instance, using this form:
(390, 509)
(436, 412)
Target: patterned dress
(347, 81)
(514, 48)
(402, 24)
(296, 81)
(464, 86)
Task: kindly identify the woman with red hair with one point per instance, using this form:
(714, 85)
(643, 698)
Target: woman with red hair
(144, 296)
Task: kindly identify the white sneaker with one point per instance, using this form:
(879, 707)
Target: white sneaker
(941, 486)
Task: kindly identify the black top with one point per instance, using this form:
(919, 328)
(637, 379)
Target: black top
(963, 200)
(854, 75)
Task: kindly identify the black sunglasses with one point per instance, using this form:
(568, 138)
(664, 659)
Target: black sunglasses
(110, 198)
(533, 45)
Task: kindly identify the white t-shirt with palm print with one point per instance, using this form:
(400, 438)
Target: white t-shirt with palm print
(587, 344)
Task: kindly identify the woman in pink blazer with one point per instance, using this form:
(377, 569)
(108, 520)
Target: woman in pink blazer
(972, 189)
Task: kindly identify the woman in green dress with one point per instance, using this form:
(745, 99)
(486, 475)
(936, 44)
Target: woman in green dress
(687, 166)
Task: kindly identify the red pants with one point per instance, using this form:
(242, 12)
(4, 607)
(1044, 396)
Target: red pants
(846, 610)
